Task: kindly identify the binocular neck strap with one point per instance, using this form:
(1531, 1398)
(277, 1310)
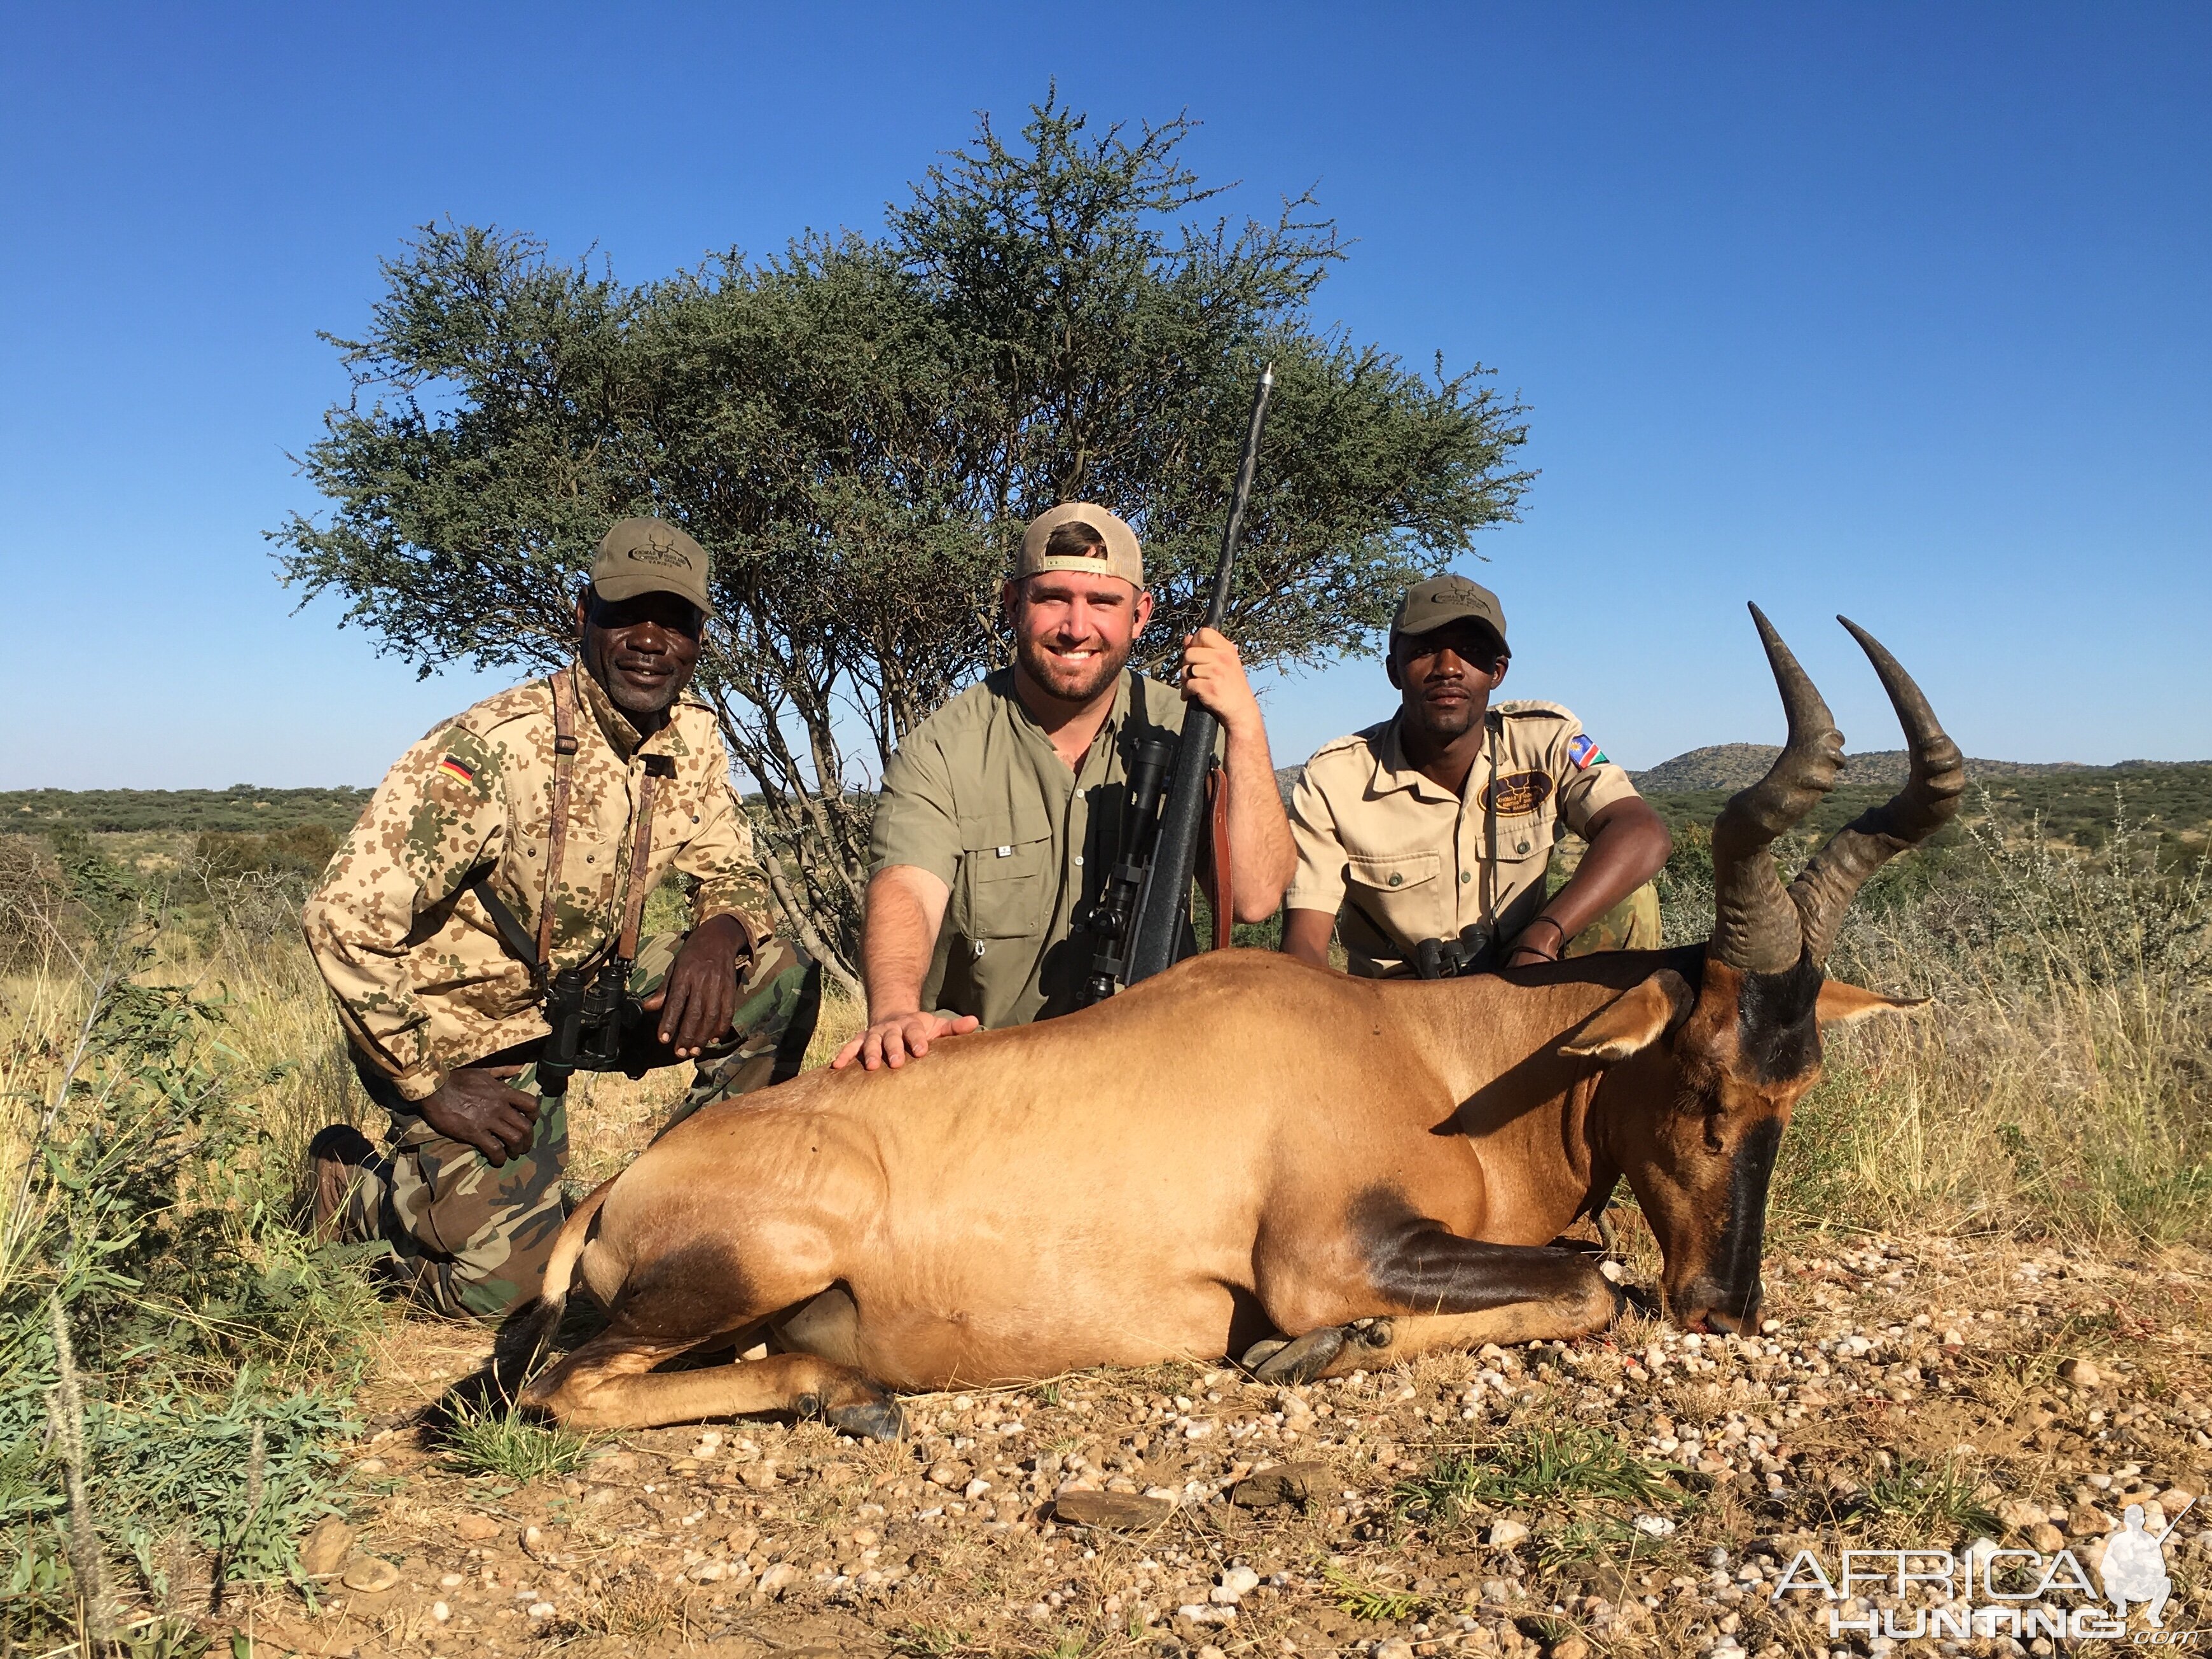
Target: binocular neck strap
(641, 856)
(556, 839)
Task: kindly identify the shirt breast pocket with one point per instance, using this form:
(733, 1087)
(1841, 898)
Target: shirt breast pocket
(1006, 877)
(1401, 891)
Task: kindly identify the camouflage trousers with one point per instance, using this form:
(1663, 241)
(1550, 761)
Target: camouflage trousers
(1630, 925)
(470, 1240)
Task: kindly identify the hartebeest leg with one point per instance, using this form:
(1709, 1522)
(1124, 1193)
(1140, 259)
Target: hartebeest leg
(1429, 1290)
(610, 1383)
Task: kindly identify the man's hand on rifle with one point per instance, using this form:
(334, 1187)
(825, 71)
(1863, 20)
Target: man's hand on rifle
(699, 999)
(1213, 678)
(475, 1105)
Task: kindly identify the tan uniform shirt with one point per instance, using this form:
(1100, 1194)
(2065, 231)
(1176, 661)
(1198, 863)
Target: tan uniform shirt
(1398, 859)
(422, 982)
(978, 797)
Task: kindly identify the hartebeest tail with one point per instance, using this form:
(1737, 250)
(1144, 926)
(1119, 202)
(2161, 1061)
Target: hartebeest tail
(524, 1339)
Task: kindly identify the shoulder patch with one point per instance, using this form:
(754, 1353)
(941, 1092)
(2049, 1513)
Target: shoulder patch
(1583, 751)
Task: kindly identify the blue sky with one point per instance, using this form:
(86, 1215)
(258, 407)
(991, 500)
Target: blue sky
(1896, 311)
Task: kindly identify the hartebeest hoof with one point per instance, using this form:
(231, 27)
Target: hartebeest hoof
(868, 1419)
(1302, 1360)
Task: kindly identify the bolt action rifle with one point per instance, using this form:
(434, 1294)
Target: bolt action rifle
(1163, 902)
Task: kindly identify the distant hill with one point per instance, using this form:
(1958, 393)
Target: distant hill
(1733, 765)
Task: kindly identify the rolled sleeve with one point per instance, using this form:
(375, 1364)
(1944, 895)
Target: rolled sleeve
(1319, 884)
(916, 819)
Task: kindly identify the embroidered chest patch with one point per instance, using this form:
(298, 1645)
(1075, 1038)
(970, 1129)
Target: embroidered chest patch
(1518, 793)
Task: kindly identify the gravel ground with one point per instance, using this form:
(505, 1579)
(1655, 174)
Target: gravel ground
(1640, 1494)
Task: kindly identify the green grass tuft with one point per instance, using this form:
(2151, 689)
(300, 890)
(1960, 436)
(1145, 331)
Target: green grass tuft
(482, 1440)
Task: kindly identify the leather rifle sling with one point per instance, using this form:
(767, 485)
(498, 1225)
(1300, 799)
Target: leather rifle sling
(556, 838)
(1221, 888)
(641, 856)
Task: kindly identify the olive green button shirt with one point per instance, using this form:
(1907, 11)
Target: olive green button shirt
(978, 797)
(1397, 858)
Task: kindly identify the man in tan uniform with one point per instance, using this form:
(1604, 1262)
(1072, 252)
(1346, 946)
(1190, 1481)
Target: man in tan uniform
(1001, 815)
(516, 841)
(1424, 841)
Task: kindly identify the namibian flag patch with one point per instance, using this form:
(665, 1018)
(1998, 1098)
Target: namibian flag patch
(453, 767)
(1581, 750)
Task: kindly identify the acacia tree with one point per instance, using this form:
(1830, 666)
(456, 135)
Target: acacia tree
(857, 428)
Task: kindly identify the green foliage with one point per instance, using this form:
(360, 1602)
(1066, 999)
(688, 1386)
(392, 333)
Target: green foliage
(857, 428)
(1371, 1602)
(1916, 1500)
(486, 1440)
(1564, 1467)
(209, 1345)
(301, 851)
(241, 808)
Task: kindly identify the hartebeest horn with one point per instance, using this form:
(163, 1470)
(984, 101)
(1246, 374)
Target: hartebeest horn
(1822, 892)
(1755, 926)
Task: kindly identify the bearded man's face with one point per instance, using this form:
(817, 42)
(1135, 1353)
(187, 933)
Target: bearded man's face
(1074, 631)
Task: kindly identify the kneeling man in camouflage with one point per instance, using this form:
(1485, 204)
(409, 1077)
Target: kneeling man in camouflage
(1424, 843)
(480, 931)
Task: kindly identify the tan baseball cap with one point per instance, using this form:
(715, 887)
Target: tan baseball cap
(647, 556)
(1120, 556)
(1440, 600)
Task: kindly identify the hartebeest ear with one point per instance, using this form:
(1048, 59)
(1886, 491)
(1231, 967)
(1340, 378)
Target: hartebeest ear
(1847, 1005)
(1639, 1020)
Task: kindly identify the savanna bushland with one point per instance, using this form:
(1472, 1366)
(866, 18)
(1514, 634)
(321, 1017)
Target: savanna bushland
(1988, 1312)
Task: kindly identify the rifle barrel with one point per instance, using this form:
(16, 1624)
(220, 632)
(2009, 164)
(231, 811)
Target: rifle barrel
(1166, 900)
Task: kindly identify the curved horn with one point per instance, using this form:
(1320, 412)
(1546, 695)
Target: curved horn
(1822, 892)
(1755, 926)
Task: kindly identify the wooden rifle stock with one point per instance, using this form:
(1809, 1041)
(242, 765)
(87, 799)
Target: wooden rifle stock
(1165, 905)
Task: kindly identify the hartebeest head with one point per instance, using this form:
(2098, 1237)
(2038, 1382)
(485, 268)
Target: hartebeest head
(1745, 1043)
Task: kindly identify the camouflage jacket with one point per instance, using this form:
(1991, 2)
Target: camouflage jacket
(422, 979)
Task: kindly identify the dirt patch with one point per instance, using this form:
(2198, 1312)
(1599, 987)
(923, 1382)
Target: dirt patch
(1639, 1494)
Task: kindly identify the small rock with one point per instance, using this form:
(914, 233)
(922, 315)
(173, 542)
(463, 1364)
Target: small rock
(475, 1529)
(776, 1580)
(1209, 1651)
(2047, 1538)
(1505, 1533)
(441, 1611)
(758, 1476)
(1284, 1483)
(1236, 1584)
(2081, 1373)
(541, 1609)
(707, 1444)
(1119, 1511)
(949, 1474)
(371, 1575)
(1571, 1647)
(974, 1489)
(1396, 1648)
(369, 1466)
(2020, 1516)
(326, 1548)
(2086, 1521)
(1655, 1525)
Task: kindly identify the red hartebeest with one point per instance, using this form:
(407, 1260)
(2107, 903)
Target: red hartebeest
(1248, 1150)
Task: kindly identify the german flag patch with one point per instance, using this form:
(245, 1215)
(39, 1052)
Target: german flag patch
(453, 767)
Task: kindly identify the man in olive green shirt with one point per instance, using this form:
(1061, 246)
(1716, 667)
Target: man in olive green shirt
(1001, 815)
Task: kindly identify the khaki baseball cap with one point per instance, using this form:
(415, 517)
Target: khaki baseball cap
(647, 556)
(1431, 605)
(1120, 556)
